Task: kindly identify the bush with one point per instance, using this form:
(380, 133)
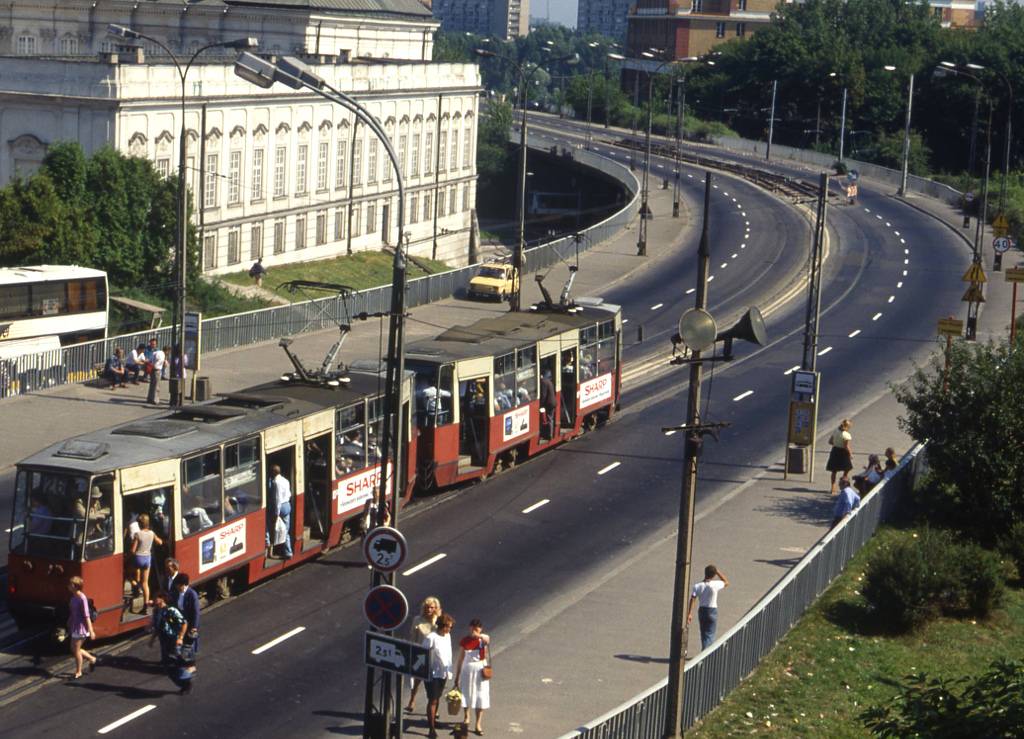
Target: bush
(922, 576)
(1013, 546)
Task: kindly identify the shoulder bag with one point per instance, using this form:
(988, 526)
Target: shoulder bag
(487, 671)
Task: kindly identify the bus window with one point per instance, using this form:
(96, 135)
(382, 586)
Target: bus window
(242, 488)
(99, 528)
(201, 493)
(49, 514)
(504, 383)
(526, 375)
(49, 299)
(351, 438)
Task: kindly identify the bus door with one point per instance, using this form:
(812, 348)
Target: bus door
(316, 504)
(548, 415)
(474, 422)
(285, 459)
(567, 400)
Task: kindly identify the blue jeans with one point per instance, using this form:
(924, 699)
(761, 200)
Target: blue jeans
(285, 512)
(708, 620)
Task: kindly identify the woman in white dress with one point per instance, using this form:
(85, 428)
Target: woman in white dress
(469, 678)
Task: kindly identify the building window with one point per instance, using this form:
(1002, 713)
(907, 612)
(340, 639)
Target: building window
(210, 196)
(280, 160)
(442, 142)
(719, 30)
(440, 204)
(414, 215)
(371, 162)
(465, 197)
(455, 150)
(26, 45)
(339, 224)
(414, 163)
(339, 170)
(426, 206)
(321, 227)
(257, 174)
(698, 6)
(235, 178)
(210, 251)
(371, 218)
(323, 154)
(386, 163)
(279, 236)
(428, 153)
(68, 46)
(741, 4)
(234, 246)
(300, 232)
(357, 162)
(300, 169)
(256, 241)
(357, 222)
(163, 168)
(453, 200)
(467, 148)
(741, 29)
(401, 153)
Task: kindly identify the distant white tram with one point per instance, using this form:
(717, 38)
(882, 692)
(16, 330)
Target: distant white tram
(47, 307)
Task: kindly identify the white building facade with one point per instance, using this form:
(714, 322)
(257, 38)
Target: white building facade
(279, 174)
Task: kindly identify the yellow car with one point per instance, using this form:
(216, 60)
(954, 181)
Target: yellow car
(493, 280)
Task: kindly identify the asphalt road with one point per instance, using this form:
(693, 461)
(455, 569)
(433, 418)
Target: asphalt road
(609, 494)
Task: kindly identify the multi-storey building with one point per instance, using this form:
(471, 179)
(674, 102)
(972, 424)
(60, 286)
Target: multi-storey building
(276, 173)
(607, 17)
(682, 28)
(505, 19)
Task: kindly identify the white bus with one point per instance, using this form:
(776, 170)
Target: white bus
(48, 307)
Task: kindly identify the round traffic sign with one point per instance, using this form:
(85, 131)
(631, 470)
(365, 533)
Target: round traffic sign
(853, 175)
(1001, 244)
(384, 549)
(969, 197)
(385, 607)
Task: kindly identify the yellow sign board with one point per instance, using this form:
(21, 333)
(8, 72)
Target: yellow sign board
(801, 422)
(1000, 222)
(975, 274)
(950, 327)
(973, 294)
(1014, 275)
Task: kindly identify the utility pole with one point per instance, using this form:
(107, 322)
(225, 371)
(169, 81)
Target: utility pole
(814, 282)
(771, 122)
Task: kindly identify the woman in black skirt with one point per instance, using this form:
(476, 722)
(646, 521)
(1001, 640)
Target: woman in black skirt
(840, 458)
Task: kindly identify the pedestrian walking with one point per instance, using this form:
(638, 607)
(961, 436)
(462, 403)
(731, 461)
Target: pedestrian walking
(158, 362)
(170, 627)
(848, 502)
(185, 598)
(422, 625)
(470, 678)
(80, 626)
(257, 271)
(706, 591)
(840, 458)
(439, 643)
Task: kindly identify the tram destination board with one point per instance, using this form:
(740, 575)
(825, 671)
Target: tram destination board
(397, 655)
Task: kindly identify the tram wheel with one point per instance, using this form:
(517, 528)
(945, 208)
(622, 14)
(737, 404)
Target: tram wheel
(499, 465)
(512, 457)
(589, 423)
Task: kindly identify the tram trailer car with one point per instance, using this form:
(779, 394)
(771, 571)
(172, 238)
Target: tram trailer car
(201, 473)
(478, 408)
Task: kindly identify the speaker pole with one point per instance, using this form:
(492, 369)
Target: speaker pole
(814, 283)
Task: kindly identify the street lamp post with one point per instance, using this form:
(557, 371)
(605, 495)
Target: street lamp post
(906, 134)
(842, 120)
(181, 251)
(293, 73)
(516, 298)
(1009, 119)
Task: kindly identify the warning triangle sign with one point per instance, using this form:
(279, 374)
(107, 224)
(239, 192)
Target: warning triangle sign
(973, 294)
(1000, 222)
(974, 274)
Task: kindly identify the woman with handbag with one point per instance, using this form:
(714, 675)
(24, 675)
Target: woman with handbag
(473, 676)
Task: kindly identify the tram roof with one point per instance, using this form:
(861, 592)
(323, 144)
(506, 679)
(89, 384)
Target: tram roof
(506, 332)
(182, 431)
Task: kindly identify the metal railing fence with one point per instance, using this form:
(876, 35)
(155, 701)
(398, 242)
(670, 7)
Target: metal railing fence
(716, 671)
(78, 363)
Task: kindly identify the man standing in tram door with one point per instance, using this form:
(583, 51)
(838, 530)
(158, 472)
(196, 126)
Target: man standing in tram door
(279, 508)
(548, 404)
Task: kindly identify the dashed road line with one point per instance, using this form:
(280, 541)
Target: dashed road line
(824, 351)
(536, 505)
(130, 717)
(609, 468)
(876, 316)
(426, 563)
(278, 640)
(854, 334)
(741, 396)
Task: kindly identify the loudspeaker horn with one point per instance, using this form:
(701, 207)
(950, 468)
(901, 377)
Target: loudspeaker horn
(749, 328)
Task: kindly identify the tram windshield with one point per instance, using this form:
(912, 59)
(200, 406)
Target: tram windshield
(60, 515)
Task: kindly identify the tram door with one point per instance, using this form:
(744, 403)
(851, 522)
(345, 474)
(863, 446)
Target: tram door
(474, 422)
(568, 397)
(316, 506)
(285, 459)
(157, 505)
(549, 370)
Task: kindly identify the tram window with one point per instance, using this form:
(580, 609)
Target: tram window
(605, 347)
(375, 430)
(504, 382)
(588, 347)
(49, 514)
(99, 529)
(242, 488)
(201, 494)
(434, 387)
(351, 438)
(526, 375)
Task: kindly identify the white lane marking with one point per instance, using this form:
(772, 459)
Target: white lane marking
(743, 245)
(867, 210)
(711, 278)
(853, 334)
(878, 217)
(748, 223)
(892, 298)
(725, 264)
(824, 351)
(535, 506)
(690, 176)
(692, 289)
(791, 370)
(903, 241)
(130, 717)
(741, 396)
(876, 316)
(625, 320)
(278, 640)
(742, 214)
(904, 273)
(906, 251)
(426, 563)
(906, 261)
(898, 286)
(896, 232)
(670, 432)
(734, 256)
(609, 468)
(655, 307)
(889, 225)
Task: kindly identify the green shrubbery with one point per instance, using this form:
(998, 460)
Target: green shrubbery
(929, 574)
(1013, 546)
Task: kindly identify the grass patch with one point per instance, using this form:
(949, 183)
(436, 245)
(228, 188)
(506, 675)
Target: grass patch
(359, 271)
(833, 664)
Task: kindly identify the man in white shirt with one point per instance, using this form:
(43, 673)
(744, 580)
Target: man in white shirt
(159, 359)
(706, 591)
(279, 506)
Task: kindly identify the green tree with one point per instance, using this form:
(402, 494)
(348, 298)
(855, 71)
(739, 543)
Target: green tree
(493, 152)
(971, 418)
